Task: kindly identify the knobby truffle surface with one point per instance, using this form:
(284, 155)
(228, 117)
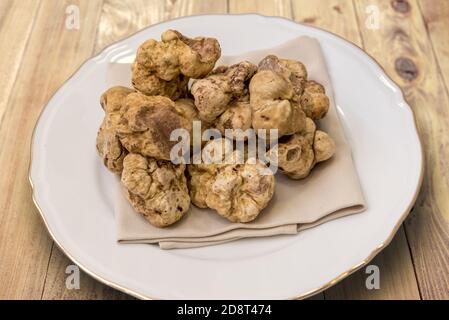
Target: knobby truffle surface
(238, 190)
(148, 123)
(156, 189)
(164, 67)
(214, 93)
(299, 153)
(108, 144)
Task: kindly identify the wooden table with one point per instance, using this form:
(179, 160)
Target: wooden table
(39, 52)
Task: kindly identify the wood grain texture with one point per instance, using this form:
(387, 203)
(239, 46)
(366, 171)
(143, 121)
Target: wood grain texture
(89, 289)
(436, 19)
(179, 8)
(268, 8)
(397, 277)
(20, 17)
(52, 54)
(402, 47)
(336, 16)
(339, 16)
(120, 19)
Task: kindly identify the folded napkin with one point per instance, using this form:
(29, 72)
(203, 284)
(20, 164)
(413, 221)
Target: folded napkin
(332, 190)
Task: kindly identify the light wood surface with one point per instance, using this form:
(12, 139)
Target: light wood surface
(411, 62)
(39, 53)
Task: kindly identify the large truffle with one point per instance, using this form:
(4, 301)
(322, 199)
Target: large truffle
(274, 97)
(156, 189)
(281, 96)
(108, 144)
(177, 54)
(148, 123)
(237, 191)
(164, 67)
(214, 93)
(145, 81)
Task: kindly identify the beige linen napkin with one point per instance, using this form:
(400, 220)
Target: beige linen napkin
(331, 191)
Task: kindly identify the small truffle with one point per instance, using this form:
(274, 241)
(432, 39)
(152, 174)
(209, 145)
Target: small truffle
(299, 153)
(314, 101)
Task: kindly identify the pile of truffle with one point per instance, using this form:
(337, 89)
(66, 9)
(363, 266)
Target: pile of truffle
(134, 137)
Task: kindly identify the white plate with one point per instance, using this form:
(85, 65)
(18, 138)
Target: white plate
(72, 189)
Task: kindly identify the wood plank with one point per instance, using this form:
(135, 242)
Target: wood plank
(17, 19)
(268, 8)
(437, 24)
(397, 277)
(339, 17)
(118, 20)
(52, 54)
(179, 8)
(402, 47)
(89, 288)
